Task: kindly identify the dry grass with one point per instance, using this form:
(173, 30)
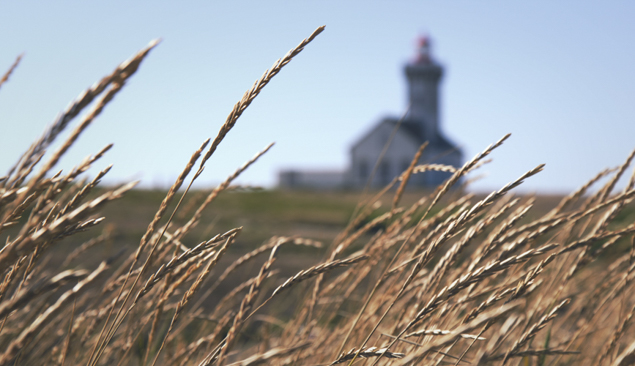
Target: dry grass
(471, 282)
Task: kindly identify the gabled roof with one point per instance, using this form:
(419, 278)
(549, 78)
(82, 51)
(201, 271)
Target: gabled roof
(410, 132)
(410, 128)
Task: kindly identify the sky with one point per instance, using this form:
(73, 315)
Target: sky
(558, 75)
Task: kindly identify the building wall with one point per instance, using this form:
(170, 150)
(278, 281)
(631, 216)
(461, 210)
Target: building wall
(440, 155)
(365, 154)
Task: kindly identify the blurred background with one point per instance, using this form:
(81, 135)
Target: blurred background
(558, 76)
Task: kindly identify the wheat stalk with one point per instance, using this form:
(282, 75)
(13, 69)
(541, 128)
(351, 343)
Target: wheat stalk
(368, 352)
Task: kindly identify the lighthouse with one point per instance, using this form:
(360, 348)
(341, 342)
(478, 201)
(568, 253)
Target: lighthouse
(424, 76)
(386, 149)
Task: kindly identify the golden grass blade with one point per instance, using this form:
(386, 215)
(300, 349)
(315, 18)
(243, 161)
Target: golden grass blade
(439, 332)
(246, 306)
(12, 68)
(627, 357)
(275, 241)
(437, 196)
(11, 252)
(529, 334)
(144, 240)
(269, 355)
(610, 345)
(252, 93)
(316, 270)
(180, 232)
(192, 290)
(486, 317)
(406, 175)
(480, 278)
(20, 342)
(433, 168)
(119, 75)
(368, 352)
(534, 352)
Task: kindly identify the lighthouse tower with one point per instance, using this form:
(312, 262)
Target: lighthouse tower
(424, 75)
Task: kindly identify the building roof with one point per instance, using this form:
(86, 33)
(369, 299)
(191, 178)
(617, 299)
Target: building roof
(412, 129)
(390, 122)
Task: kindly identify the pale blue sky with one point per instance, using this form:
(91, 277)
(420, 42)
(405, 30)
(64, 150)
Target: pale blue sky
(558, 75)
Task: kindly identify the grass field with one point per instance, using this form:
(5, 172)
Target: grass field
(319, 215)
(116, 276)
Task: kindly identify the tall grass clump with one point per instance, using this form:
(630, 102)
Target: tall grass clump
(448, 279)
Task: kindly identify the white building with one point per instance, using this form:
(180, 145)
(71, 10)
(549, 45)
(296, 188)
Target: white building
(420, 124)
(319, 179)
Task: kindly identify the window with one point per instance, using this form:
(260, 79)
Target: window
(384, 172)
(363, 170)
